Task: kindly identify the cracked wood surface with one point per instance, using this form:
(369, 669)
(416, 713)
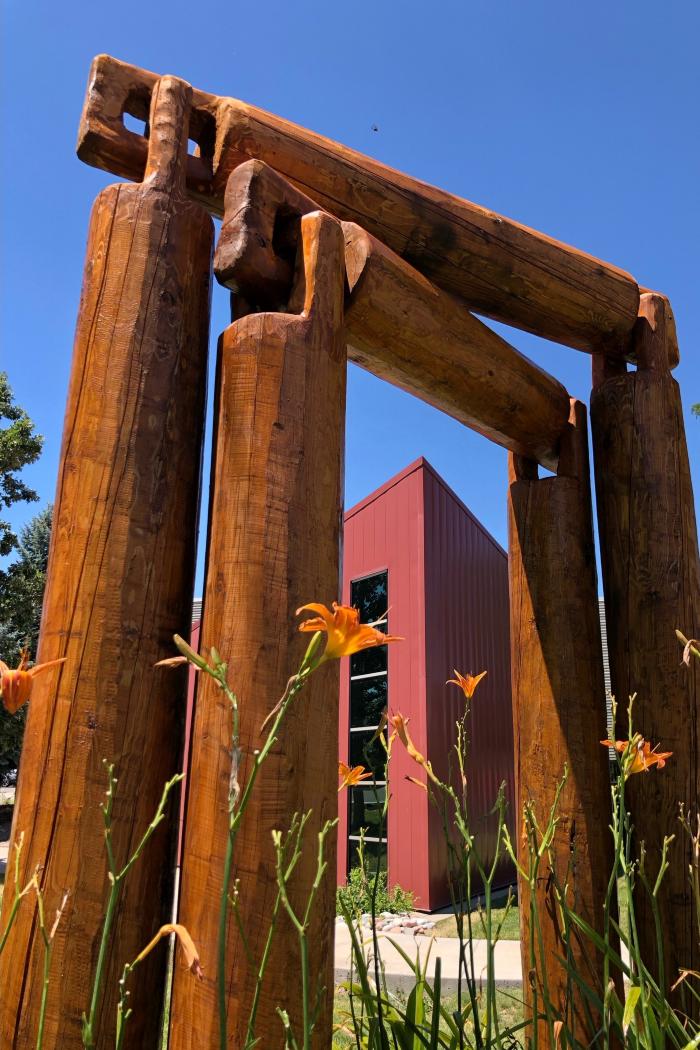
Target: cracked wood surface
(400, 326)
(499, 267)
(559, 699)
(119, 584)
(274, 544)
(651, 574)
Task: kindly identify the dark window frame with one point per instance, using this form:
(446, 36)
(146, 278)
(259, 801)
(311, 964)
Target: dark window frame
(380, 842)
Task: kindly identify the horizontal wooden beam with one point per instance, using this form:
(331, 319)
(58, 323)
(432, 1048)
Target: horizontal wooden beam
(499, 267)
(404, 329)
(399, 325)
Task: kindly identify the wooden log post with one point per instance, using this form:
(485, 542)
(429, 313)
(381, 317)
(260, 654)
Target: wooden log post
(499, 267)
(651, 575)
(119, 584)
(559, 707)
(274, 544)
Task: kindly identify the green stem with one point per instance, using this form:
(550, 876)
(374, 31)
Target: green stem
(116, 879)
(237, 805)
(18, 894)
(10, 922)
(250, 1033)
(221, 946)
(123, 1010)
(89, 1022)
(304, 952)
(44, 996)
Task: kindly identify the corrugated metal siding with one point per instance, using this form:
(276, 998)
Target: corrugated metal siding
(467, 612)
(385, 532)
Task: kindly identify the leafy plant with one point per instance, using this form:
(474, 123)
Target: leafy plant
(20, 445)
(642, 1018)
(21, 596)
(356, 895)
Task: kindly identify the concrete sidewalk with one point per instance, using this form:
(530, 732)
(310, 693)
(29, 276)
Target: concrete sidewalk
(398, 973)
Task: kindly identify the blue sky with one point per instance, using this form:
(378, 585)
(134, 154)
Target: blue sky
(577, 119)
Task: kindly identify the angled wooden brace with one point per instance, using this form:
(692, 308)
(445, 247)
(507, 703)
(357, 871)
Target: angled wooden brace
(400, 326)
(274, 544)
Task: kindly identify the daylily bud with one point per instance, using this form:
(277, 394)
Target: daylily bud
(188, 652)
(172, 661)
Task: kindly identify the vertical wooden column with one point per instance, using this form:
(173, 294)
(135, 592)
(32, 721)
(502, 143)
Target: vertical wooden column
(274, 543)
(649, 552)
(119, 584)
(559, 699)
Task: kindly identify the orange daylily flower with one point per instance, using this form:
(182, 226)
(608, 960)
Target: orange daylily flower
(640, 754)
(351, 776)
(400, 727)
(16, 685)
(346, 635)
(466, 682)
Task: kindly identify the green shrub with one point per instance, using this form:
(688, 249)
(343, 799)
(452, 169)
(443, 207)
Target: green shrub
(357, 894)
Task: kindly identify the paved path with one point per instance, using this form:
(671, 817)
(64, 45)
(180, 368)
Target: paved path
(398, 972)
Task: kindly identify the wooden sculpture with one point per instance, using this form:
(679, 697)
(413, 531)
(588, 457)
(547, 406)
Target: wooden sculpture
(399, 326)
(558, 701)
(120, 581)
(274, 543)
(330, 255)
(651, 573)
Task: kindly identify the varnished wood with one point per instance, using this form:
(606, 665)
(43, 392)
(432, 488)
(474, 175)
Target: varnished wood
(400, 326)
(669, 322)
(119, 584)
(274, 544)
(256, 250)
(499, 267)
(649, 554)
(559, 703)
(406, 330)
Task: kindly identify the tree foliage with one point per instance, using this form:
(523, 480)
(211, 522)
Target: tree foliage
(21, 597)
(20, 445)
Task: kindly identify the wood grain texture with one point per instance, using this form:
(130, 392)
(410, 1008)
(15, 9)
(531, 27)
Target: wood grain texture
(406, 330)
(649, 554)
(499, 267)
(559, 698)
(119, 585)
(274, 544)
(400, 326)
(669, 323)
(257, 246)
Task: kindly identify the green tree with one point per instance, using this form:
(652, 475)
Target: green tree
(21, 597)
(696, 409)
(20, 445)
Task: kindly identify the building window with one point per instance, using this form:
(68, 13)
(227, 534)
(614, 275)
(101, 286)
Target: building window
(369, 697)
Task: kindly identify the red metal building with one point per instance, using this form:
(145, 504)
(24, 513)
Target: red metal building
(414, 549)
(417, 558)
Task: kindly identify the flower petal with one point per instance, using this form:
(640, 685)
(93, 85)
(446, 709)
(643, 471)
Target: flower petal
(40, 668)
